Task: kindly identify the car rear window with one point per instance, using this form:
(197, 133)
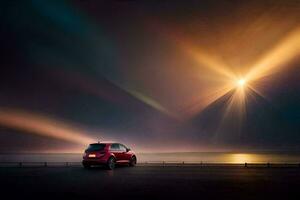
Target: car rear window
(96, 147)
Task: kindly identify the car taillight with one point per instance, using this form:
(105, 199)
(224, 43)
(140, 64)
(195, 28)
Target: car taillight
(92, 155)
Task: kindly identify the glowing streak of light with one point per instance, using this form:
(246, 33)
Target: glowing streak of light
(285, 51)
(42, 125)
(237, 102)
(89, 86)
(203, 102)
(235, 106)
(209, 62)
(151, 102)
(256, 91)
(199, 54)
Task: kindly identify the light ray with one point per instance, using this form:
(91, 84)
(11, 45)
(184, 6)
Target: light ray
(151, 102)
(204, 101)
(285, 51)
(41, 125)
(103, 91)
(210, 62)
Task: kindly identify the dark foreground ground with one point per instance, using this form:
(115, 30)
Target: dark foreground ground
(146, 182)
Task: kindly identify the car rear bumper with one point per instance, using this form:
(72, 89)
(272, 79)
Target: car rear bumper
(94, 162)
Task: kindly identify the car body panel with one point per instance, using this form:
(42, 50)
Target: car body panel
(119, 151)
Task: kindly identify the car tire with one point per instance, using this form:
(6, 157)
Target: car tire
(111, 163)
(132, 162)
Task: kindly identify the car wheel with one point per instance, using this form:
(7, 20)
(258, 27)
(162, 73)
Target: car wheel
(132, 162)
(111, 163)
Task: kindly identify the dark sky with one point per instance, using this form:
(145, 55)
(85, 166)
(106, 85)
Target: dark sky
(144, 73)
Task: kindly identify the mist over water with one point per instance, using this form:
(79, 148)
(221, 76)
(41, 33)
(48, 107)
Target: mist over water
(192, 157)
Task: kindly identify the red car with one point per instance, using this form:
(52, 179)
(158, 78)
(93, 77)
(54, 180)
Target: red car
(108, 154)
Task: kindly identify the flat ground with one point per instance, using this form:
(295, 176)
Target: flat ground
(146, 182)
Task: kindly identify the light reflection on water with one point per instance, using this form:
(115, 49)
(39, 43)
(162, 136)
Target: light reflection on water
(205, 157)
(263, 158)
(213, 157)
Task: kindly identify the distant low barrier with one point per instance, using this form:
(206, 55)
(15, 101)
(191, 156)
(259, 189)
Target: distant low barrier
(208, 164)
(40, 164)
(155, 163)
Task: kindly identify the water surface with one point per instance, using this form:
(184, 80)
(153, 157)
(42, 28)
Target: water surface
(205, 157)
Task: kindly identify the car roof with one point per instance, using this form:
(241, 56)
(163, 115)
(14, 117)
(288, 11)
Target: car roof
(105, 143)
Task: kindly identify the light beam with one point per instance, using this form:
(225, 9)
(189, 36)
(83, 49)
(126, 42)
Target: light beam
(286, 50)
(42, 125)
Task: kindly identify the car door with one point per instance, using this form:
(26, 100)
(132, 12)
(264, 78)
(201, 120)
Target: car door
(125, 155)
(115, 149)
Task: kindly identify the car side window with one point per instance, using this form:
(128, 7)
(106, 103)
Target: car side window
(122, 147)
(115, 147)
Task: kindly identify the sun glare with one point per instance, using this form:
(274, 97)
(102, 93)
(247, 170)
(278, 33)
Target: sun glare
(241, 82)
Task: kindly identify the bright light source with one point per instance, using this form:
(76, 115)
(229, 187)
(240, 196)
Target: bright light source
(241, 82)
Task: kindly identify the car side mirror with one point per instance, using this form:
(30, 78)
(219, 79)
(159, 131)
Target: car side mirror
(128, 149)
